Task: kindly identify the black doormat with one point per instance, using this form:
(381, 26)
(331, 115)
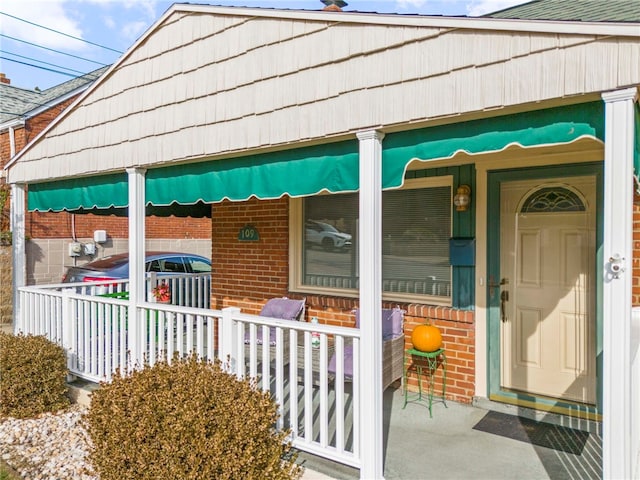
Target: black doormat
(542, 434)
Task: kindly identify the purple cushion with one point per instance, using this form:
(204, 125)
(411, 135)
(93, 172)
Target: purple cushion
(348, 362)
(283, 308)
(392, 319)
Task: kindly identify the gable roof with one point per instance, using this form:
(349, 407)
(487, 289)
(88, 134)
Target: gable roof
(211, 83)
(564, 10)
(20, 103)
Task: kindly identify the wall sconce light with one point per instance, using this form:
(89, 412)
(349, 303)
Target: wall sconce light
(462, 198)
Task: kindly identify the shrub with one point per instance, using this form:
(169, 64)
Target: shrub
(33, 373)
(186, 420)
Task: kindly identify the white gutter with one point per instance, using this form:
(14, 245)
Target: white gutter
(10, 126)
(12, 123)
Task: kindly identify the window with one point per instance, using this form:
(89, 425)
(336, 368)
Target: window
(198, 265)
(416, 228)
(173, 265)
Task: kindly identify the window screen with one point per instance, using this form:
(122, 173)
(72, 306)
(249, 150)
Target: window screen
(416, 228)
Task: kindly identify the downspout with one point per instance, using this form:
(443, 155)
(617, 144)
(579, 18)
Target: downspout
(17, 213)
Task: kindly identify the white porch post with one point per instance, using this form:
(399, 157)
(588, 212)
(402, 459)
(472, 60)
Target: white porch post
(18, 218)
(136, 178)
(618, 253)
(370, 270)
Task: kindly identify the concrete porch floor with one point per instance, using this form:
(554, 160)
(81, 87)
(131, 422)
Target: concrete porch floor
(446, 447)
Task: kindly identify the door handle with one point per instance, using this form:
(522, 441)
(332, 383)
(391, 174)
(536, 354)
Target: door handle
(504, 298)
(492, 285)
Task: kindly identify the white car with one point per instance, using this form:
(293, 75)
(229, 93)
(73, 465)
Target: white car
(326, 236)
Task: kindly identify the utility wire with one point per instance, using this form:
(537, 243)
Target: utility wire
(52, 50)
(60, 33)
(41, 61)
(45, 68)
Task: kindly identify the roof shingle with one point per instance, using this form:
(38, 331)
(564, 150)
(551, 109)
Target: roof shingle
(580, 10)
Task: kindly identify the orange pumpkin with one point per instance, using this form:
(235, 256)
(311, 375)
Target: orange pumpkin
(426, 338)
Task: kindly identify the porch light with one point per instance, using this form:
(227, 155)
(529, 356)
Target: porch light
(462, 198)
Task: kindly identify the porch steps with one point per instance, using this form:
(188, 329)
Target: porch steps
(80, 391)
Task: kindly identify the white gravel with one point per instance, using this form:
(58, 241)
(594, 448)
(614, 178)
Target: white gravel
(50, 447)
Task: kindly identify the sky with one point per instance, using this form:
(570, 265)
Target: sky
(81, 36)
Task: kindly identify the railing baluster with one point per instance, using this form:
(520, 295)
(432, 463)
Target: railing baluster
(323, 420)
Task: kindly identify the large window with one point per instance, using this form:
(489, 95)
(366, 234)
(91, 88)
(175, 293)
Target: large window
(416, 228)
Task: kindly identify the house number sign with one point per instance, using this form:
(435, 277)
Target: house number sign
(248, 233)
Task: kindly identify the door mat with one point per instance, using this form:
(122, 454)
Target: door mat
(542, 434)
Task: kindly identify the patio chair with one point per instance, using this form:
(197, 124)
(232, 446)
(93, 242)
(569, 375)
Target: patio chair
(392, 347)
(283, 308)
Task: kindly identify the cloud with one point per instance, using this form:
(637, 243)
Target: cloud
(132, 30)
(410, 4)
(49, 13)
(476, 8)
(129, 18)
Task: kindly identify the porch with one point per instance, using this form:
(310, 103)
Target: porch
(323, 410)
(447, 447)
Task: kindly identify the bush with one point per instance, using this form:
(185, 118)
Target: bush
(33, 373)
(186, 420)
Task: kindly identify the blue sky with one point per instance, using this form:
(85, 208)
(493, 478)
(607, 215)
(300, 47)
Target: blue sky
(116, 24)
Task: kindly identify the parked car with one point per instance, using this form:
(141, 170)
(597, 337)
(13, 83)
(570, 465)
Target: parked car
(325, 235)
(117, 266)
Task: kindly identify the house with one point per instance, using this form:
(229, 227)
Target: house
(24, 114)
(481, 170)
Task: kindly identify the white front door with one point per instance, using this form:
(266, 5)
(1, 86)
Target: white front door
(548, 256)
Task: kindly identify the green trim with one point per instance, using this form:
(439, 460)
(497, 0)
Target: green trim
(300, 172)
(494, 180)
(464, 225)
(541, 127)
(100, 191)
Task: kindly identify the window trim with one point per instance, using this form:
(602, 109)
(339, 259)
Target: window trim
(296, 232)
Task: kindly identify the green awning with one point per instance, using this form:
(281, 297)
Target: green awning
(300, 172)
(542, 127)
(331, 167)
(100, 191)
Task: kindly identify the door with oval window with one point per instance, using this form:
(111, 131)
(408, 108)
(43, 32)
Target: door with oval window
(547, 300)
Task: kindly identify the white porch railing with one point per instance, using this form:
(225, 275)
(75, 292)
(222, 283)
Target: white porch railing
(100, 335)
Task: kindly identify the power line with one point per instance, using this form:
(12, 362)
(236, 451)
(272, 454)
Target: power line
(41, 61)
(52, 50)
(60, 33)
(43, 68)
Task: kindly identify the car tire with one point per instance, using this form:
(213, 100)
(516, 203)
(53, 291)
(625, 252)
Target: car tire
(327, 244)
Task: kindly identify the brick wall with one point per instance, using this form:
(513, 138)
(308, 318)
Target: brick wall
(61, 225)
(247, 274)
